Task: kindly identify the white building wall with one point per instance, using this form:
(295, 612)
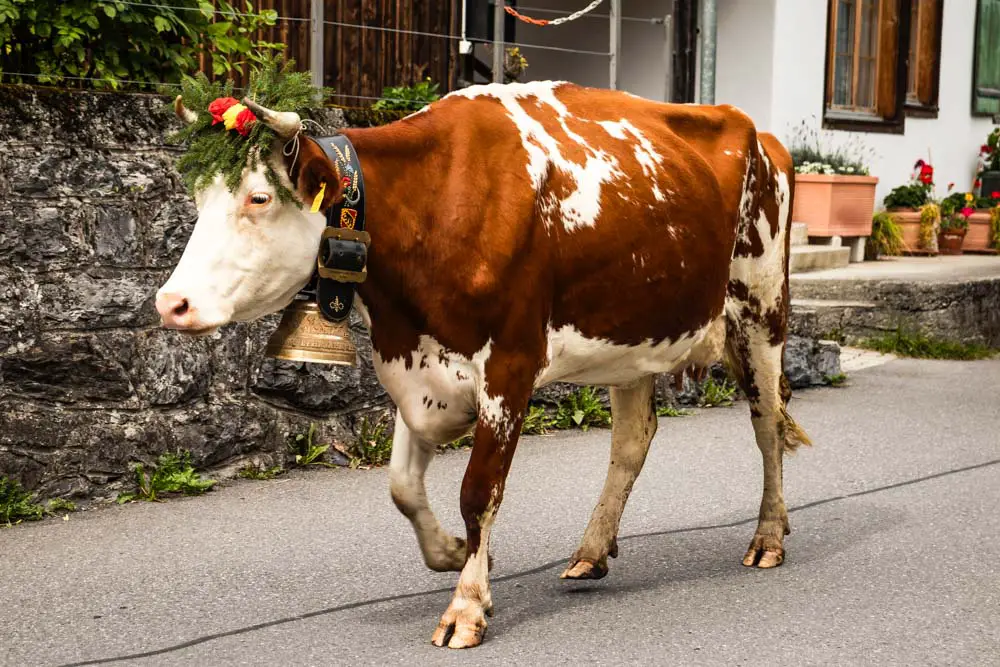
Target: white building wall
(798, 49)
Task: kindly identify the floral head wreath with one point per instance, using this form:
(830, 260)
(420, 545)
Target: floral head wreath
(224, 136)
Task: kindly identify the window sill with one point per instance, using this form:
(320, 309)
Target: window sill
(921, 111)
(852, 121)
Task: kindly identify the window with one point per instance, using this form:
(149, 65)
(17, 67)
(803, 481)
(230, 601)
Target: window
(924, 57)
(866, 64)
(986, 86)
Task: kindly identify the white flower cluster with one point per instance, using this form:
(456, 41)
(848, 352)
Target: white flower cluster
(828, 170)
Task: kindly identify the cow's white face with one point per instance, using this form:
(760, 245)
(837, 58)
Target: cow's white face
(247, 257)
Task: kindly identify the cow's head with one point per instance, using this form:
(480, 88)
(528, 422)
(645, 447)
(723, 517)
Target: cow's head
(249, 252)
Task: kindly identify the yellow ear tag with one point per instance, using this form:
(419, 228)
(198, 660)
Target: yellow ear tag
(318, 201)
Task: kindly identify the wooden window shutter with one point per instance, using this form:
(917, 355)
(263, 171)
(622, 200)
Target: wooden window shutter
(987, 71)
(888, 61)
(929, 54)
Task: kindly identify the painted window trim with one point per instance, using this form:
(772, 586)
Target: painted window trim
(834, 119)
(976, 113)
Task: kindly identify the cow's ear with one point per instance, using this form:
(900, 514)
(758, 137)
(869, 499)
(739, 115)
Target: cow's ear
(315, 176)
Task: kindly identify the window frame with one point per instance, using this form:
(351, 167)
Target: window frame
(894, 123)
(976, 113)
(915, 108)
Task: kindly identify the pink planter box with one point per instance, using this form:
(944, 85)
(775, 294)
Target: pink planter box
(835, 205)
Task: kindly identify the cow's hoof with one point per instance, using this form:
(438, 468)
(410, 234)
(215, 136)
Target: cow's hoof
(584, 568)
(461, 629)
(765, 552)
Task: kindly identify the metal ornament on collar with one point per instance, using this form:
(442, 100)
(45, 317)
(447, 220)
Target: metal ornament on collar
(314, 326)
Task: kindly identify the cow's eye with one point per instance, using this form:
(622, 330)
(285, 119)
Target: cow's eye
(260, 198)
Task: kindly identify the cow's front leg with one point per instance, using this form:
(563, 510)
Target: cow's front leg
(410, 457)
(463, 625)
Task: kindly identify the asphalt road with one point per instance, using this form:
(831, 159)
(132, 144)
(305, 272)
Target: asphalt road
(894, 556)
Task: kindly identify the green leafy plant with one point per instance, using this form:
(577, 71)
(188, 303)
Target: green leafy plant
(373, 444)
(886, 239)
(911, 195)
(582, 409)
(671, 411)
(16, 504)
(211, 149)
(717, 394)
(810, 156)
(408, 98)
(995, 226)
(172, 474)
(537, 421)
(122, 43)
(836, 380)
(306, 451)
(906, 343)
(257, 471)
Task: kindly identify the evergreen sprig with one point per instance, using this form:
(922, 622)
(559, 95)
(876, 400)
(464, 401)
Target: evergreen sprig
(212, 150)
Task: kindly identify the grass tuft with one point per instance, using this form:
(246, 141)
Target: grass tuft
(257, 471)
(373, 444)
(836, 380)
(920, 346)
(172, 474)
(671, 411)
(537, 421)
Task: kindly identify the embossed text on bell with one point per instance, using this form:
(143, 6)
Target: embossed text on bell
(305, 335)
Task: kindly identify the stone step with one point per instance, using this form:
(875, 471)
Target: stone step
(823, 319)
(800, 234)
(816, 258)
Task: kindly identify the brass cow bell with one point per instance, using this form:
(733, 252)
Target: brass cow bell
(305, 335)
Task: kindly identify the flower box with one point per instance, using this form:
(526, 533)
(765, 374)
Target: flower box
(835, 205)
(979, 237)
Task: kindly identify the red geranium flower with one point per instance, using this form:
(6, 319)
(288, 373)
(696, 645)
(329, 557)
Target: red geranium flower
(995, 195)
(985, 150)
(926, 174)
(967, 211)
(977, 183)
(219, 106)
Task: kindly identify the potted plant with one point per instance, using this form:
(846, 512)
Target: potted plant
(886, 239)
(978, 234)
(913, 207)
(988, 180)
(834, 193)
(956, 210)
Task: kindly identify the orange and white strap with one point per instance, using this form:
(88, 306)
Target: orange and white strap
(562, 19)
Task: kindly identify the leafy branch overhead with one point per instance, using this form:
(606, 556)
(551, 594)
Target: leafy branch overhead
(62, 41)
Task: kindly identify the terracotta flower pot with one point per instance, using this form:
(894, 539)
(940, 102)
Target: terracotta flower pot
(908, 220)
(978, 238)
(950, 241)
(835, 205)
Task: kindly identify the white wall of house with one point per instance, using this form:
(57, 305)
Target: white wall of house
(643, 69)
(771, 59)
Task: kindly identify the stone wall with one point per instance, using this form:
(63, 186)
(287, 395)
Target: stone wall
(92, 218)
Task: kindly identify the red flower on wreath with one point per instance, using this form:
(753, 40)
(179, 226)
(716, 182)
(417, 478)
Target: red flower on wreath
(985, 150)
(219, 107)
(977, 183)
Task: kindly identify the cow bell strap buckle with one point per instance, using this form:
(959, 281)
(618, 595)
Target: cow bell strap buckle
(343, 255)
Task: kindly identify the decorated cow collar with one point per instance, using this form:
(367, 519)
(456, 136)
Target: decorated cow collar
(343, 253)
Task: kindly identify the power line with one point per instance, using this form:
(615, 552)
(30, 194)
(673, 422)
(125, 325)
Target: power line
(132, 3)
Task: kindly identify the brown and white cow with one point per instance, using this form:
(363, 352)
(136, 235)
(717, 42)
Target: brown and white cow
(520, 235)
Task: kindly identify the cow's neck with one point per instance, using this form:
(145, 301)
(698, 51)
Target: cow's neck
(403, 194)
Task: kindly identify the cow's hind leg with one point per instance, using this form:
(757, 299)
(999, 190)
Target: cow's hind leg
(410, 457)
(634, 424)
(754, 355)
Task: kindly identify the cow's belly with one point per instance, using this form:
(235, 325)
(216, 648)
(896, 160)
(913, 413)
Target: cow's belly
(581, 360)
(436, 391)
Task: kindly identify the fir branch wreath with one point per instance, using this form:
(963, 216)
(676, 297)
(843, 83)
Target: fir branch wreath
(226, 138)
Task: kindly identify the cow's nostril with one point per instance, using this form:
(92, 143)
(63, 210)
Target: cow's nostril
(181, 307)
